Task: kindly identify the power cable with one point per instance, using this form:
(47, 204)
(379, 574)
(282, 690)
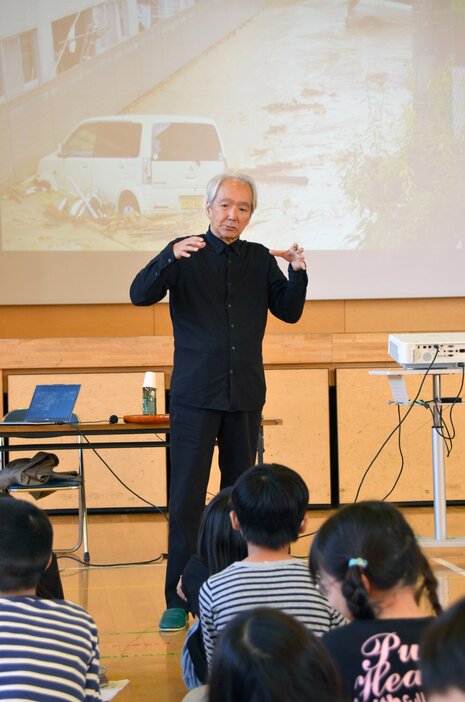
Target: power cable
(133, 492)
(397, 427)
(158, 558)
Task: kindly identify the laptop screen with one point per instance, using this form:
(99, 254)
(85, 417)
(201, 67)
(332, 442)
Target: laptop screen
(53, 403)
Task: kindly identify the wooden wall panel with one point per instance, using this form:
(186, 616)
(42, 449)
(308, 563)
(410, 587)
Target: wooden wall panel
(365, 419)
(319, 317)
(148, 352)
(300, 398)
(101, 395)
(397, 316)
(44, 321)
(298, 348)
(162, 320)
(360, 348)
(145, 351)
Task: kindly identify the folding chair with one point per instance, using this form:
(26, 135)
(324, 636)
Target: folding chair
(78, 484)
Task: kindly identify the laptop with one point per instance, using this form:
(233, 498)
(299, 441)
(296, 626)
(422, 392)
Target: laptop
(51, 404)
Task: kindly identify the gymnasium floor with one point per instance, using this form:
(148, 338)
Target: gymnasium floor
(127, 601)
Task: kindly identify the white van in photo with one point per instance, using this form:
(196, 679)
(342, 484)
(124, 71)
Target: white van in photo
(137, 163)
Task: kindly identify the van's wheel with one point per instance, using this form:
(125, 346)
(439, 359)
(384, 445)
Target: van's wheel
(41, 185)
(128, 205)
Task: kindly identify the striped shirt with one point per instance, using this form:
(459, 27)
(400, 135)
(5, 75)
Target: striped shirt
(48, 651)
(284, 585)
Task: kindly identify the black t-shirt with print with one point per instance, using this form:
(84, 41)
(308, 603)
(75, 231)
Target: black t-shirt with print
(378, 659)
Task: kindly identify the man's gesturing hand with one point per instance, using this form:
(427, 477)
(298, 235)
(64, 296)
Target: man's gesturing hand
(184, 248)
(294, 255)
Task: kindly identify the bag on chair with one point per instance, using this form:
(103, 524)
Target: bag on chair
(34, 472)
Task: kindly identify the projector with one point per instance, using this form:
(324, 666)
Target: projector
(414, 351)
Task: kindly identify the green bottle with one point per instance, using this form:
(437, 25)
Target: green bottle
(149, 394)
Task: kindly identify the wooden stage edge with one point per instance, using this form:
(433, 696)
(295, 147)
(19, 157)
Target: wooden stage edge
(86, 353)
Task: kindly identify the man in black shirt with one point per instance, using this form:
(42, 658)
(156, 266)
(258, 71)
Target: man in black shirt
(221, 288)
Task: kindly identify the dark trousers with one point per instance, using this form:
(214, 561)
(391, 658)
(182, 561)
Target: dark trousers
(193, 432)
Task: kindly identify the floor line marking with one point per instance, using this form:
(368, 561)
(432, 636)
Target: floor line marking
(450, 566)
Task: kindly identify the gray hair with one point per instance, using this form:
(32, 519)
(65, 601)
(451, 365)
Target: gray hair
(214, 184)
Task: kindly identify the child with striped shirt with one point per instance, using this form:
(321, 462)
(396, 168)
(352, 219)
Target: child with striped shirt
(48, 648)
(269, 504)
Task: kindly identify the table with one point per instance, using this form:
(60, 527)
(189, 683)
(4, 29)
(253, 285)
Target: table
(79, 440)
(99, 429)
(395, 376)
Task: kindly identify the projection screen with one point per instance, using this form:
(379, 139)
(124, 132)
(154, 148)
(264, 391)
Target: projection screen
(350, 117)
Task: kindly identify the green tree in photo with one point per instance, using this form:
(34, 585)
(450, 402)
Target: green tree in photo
(410, 191)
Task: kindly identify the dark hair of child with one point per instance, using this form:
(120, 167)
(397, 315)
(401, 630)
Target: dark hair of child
(270, 501)
(264, 655)
(218, 543)
(442, 651)
(25, 545)
(377, 535)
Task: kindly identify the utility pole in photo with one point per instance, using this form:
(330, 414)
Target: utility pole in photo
(433, 52)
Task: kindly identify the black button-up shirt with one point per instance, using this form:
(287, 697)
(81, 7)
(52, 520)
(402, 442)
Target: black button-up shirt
(219, 300)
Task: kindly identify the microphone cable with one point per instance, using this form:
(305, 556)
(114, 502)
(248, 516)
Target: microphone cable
(397, 428)
(133, 492)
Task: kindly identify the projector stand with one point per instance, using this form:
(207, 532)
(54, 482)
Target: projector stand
(395, 377)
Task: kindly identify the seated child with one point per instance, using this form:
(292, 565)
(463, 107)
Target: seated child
(48, 648)
(442, 656)
(367, 561)
(218, 546)
(264, 654)
(49, 585)
(269, 504)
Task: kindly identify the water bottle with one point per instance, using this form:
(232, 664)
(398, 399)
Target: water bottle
(149, 394)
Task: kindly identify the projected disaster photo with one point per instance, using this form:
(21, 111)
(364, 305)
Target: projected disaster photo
(349, 115)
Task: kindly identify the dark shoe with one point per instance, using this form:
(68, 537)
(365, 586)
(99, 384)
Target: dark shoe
(173, 619)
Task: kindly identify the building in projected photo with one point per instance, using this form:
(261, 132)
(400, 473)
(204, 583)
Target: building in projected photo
(62, 62)
(342, 128)
(62, 35)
